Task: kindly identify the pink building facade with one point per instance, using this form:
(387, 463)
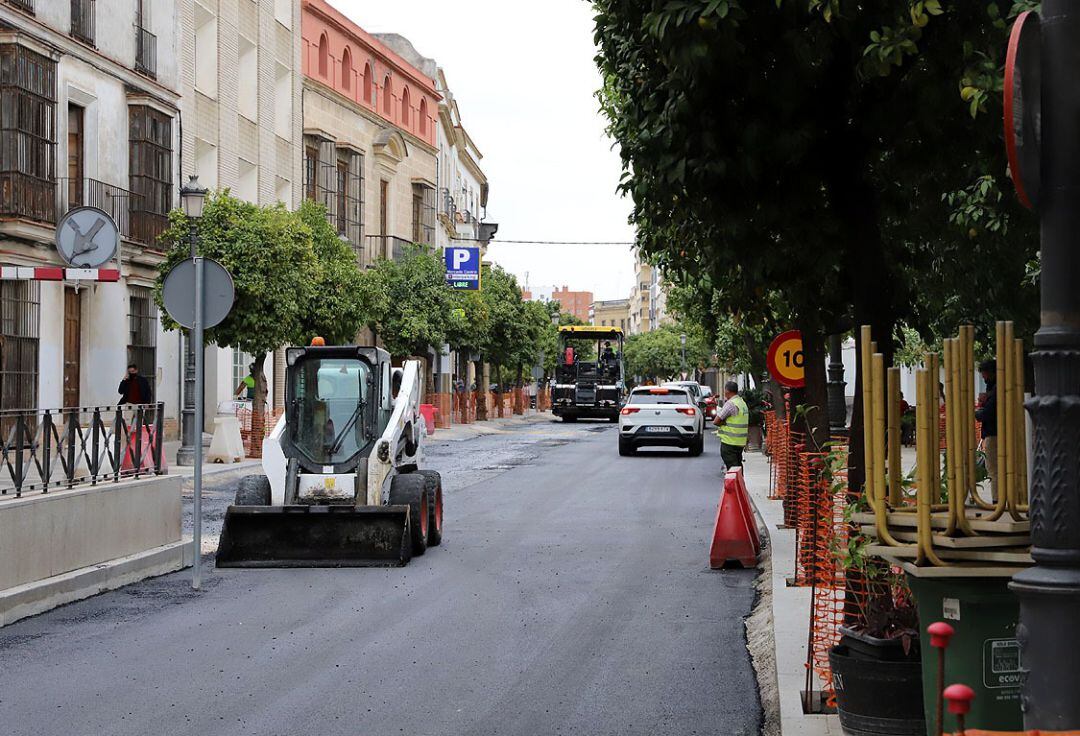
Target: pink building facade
(357, 66)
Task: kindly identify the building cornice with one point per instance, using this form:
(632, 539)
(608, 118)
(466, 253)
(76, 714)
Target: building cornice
(332, 95)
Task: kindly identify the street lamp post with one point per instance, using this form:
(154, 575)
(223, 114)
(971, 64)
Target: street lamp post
(682, 360)
(1049, 592)
(836, 403)
(192, 197)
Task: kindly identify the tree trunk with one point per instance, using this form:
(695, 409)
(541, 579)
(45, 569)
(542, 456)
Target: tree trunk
(258, 409)
(814, 420)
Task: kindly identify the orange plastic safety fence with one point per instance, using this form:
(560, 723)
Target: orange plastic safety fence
(253, 431)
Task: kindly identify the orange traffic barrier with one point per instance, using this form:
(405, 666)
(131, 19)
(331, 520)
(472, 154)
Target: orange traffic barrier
(735, 534)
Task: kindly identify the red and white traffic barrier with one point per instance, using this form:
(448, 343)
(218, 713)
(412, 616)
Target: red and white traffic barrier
(29, 273)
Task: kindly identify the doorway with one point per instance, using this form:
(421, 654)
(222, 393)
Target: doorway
(72, 346)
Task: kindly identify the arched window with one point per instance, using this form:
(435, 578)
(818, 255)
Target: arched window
(324, 56)
(346, 70)
(405, 107)
(387, 97)
(367, 83)
(423, 116)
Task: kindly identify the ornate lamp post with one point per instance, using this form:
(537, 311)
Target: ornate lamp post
(192, 198)
(1049, 592)
(836, 402)
(682, 360)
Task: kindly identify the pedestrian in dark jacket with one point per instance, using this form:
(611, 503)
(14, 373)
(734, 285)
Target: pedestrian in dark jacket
(134, 389)
(986, 413)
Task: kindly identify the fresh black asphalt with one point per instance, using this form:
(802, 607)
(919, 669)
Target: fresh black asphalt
(571, 595)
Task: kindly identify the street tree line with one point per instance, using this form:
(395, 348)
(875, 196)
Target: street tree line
(821, 164)
(295, 279)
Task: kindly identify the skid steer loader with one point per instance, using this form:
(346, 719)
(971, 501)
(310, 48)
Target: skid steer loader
(342, 484)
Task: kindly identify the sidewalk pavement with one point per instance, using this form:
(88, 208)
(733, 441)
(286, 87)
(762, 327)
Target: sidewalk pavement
(790, 610)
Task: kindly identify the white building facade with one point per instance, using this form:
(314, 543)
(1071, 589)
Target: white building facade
(93, 92)
(241, 104)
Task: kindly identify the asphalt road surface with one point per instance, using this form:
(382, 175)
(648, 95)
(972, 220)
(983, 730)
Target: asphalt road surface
(571, 595)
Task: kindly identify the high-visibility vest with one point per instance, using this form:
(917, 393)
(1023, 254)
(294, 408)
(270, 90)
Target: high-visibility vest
(735, 429)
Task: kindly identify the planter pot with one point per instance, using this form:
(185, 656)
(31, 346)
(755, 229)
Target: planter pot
(876, 696)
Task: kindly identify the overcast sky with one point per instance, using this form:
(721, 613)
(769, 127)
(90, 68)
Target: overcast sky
(524, 78)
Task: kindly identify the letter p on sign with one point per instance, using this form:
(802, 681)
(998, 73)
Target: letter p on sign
(460, 257)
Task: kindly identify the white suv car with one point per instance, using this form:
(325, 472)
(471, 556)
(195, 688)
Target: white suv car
(664, 416)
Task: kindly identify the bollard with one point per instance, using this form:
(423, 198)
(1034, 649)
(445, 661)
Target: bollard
(940, 634)
(959, 697)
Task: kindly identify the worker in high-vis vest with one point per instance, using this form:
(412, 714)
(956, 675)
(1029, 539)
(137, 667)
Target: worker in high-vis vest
(734, 423)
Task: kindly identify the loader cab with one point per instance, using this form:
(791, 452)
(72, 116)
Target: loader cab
(334, 405)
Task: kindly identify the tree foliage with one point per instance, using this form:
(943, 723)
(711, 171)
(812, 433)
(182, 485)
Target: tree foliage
(409, 304)
(657, 355)
(843, 156)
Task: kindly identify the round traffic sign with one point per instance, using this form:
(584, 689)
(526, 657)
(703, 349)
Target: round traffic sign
(785, 359)
(1023, 106)
(87, 237)
(178, 293)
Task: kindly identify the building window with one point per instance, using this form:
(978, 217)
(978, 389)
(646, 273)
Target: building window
(24, 5)
(247, 77)
(423, 116)
(206, 163)
(145, 41)
(247, 183)
(405, 108)
(311, 168)
(142, 333)
(367, 83)
(423, 214)
(324, 56)
(82, 20)
(387, 102)
(350, 197)
(240, 367)
(283, 102)
(346, 70)
(20, 316)
(27, 134)
(151, 172)
(283, 12)
(283, 191)
(206, 51)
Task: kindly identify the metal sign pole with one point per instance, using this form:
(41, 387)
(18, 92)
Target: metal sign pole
(200, 390)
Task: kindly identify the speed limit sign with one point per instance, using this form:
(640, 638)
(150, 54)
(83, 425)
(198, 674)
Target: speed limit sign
(785, 359)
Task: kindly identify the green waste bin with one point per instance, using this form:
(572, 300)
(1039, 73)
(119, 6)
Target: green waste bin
(983, 654)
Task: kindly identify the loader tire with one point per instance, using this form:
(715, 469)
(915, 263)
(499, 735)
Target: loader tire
(254, 490)
(433, 484)
(407, 489)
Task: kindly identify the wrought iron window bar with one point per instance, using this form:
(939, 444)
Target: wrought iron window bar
(82, 20)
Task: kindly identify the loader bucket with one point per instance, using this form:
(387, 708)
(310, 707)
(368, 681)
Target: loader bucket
(315, 536)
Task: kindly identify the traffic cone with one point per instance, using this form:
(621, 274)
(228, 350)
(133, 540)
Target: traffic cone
(735, 535)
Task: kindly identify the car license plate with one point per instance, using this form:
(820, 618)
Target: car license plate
(657, 429)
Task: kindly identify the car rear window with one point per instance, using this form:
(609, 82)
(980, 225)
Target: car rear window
(664, 396)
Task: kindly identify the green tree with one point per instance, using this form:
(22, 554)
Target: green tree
(834, 151)
(657, 355)
(407, 302)
(508, 330)
(268, 251)
(336, 310)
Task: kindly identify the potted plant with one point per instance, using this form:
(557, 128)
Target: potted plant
(879, 648)
(755, 403)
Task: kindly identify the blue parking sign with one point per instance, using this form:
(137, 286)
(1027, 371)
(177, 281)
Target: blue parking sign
(463, 267)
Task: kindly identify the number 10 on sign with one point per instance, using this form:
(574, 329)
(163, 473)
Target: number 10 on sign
(785, 360)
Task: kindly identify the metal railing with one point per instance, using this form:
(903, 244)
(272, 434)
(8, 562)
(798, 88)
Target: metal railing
(93, 193)
(145, 52)
(53, 449)
(82, 20)
(390, 247)
(27, 5)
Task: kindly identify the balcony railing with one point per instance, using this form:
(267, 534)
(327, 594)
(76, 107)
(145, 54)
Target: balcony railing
(23, 195)
(82, 20)
(52, 449)
(27, 5)
(145, 52)
(107, 197)
(390, 247)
